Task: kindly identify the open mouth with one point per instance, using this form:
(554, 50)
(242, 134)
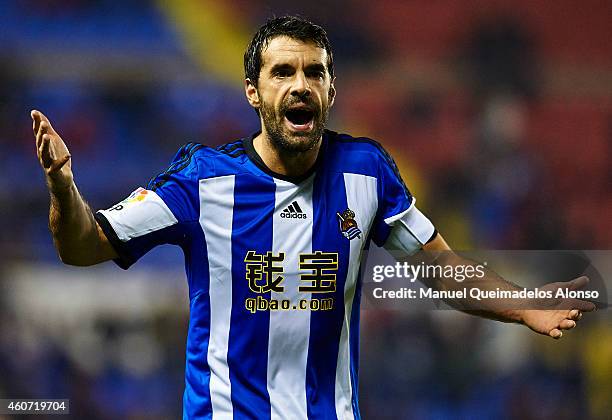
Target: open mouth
(300, 118)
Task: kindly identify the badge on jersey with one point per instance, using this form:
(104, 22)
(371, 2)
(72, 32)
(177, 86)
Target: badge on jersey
(348, 225)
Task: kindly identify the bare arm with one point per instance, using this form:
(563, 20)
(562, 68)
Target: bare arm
(549, 322)
(76, 235)
(444, 256)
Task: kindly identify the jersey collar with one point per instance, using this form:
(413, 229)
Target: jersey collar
(258, 161)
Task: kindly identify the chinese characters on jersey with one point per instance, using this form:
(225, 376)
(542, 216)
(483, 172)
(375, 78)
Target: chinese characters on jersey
(264, 273)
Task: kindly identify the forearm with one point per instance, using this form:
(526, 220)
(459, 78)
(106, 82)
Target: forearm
(438, 253)
(500, 309)
(73, 227)
(76, 235)
(547, 316)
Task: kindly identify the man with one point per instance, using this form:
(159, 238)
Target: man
(272, 227)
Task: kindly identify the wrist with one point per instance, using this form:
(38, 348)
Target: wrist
(515, 315)
(59, 189)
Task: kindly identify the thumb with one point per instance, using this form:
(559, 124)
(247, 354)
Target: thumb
(578, 283)
(59, 164)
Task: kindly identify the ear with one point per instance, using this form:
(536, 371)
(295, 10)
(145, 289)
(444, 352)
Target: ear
(332, 93)
(251, 93)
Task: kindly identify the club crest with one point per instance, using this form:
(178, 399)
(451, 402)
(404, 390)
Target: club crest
(348, 225)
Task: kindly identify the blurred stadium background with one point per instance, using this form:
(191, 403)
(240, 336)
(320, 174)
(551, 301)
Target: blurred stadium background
(499, 114)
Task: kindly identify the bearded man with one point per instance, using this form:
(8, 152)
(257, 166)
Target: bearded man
(272, 227)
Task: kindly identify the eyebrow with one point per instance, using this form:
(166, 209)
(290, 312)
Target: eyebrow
(278, 67)
(316, 67)
(311, 67)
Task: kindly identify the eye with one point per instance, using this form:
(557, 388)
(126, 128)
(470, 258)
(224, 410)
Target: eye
(281, 73)
(316, 74)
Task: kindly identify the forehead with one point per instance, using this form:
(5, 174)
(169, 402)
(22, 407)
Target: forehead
(286, 50)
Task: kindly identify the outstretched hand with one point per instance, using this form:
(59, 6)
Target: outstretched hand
(558, 314)
(53, 154)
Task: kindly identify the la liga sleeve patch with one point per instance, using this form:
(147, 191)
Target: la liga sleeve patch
(142, 212)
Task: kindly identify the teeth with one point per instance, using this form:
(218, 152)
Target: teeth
(300, 126)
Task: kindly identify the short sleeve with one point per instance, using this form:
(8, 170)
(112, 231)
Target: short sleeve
(399, 225)
(159, 214)
(410, 232)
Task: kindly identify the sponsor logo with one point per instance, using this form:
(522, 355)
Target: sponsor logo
(137, 196)
(293, 211)
(348, 225)
(265, 273)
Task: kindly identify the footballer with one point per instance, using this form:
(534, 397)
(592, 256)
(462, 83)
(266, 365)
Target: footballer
(272, 227)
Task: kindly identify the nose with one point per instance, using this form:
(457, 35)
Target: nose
(300, 86)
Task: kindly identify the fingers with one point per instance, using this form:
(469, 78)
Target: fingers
(52, 152)
(48, 157)
(43, 118)
(38, 118)
(567, 324)
(43, 128)
(44, 153)
(577, 283)
(555, 333)
(39, 125)
(35, 121)
(581, 305)
(575, 314)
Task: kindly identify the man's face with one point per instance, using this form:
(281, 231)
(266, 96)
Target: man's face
(294, 93)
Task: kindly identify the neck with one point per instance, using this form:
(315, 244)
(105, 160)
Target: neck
(289, 164)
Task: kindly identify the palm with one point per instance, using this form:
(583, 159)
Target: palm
(53, 154)
(544, 321)
(556, 314)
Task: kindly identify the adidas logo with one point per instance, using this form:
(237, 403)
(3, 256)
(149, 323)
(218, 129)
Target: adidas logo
(293, 211)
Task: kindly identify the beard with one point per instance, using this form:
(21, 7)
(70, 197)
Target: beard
(289, 142)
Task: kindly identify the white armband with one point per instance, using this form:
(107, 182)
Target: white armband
(141, 213)
(410, 231)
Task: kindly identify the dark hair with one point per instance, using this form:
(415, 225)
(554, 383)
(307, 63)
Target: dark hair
(291, 26)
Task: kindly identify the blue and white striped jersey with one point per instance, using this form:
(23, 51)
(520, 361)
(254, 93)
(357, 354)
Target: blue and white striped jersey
(273, 270)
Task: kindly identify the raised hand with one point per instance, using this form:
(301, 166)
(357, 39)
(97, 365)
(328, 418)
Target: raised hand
(557, 315)
(53, 154)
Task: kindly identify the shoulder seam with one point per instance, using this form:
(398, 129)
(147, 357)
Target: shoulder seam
(388, 158)
(189, 150)
(233, 150)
